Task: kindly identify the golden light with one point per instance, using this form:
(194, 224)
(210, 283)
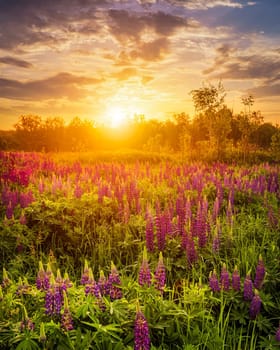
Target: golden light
(117, 117)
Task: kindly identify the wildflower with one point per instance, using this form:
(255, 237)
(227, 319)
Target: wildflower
(113, 283)
(248, 293)
(141, 332)
(277, 334)
(149, 233)
(42, 336)
(103, 284)
(27, 324)
(145, 273)
(66, 317)
(260, 274)
(43, 278)
(255, 306)
(5, 281)
(236, 280)
(85, 275)
(53, 299)
(23, 287)
(225, 280)
(160, 275)
(213, 281)
(190, 250)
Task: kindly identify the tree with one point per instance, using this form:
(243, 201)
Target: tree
(248, 123)
(29, 131)
(209, 104)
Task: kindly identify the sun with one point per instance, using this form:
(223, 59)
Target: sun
(117, 117)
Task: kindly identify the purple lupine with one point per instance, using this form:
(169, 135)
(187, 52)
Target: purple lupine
(224, 278)
(114, 281)
(190, 250)
(260, 274)
(85, 275)
(149, 233)
(277, 334)
(103, 284)
(248, 292)
(43, 278)
(160, 275)
(27, 324)
(236, 280)
(255, 306)
(66, 317)
(53, 299)
(213, 281)
(141, 333)
(145, 277)
(5, 281)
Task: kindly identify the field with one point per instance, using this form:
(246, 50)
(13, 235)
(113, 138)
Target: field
(138, 254)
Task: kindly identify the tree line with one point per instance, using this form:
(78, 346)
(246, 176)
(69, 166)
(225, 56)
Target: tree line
(214, 133)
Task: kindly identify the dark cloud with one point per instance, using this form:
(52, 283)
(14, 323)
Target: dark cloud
(223, 55)
(151, 51)
(130, 25)
(265, 90)
(15, 62)
(28, 22)
(59, 86)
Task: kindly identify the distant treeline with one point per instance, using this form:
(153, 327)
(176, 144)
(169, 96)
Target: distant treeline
(215, 133)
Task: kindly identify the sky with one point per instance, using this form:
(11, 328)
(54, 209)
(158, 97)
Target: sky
(97, 58)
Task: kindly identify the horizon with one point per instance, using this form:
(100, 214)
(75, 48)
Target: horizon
(106, 61)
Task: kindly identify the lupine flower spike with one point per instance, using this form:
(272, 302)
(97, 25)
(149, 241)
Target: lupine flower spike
(255, 306)
(141, 331)
(160, 275)
(236, 280)
(85, 274)
(145, 276)
(213, 281)
(225, 280)
(42, 336)
(260, 274)
(277, 334)
(248, 292)
(66, 317)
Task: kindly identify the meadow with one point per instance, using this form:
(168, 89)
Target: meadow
(134, 252)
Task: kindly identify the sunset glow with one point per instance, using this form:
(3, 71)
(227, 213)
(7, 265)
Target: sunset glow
(70, 58)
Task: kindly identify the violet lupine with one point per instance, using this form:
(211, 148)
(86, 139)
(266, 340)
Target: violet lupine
(66, 317)
(190, 250)
(235, 280)
(27, 324)
(85, 275)
(43, 278)
(92, 286)
(277, 334)
(114, 281)
(53, 299)
(145, 276)
(248, 292)
(5, 280)
(255, 306)
(141, 332)
(160, 275)
(149, 233)
(213, 281)
(224, 278)
(103, 284)
(260, 274)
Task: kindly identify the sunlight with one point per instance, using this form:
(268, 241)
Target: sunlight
(117, 117)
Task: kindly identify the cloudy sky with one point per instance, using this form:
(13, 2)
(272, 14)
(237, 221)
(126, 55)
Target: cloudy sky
(94, 58)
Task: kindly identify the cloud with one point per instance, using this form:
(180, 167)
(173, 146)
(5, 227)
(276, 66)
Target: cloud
(125, 74)
(265, 90)
(15, 62)
(62, 85)
(206, 4)
(127, 25)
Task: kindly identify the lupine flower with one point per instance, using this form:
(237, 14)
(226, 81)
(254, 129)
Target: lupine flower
(103, 284)
(190, 250)
(42, 336)
(255, 306)
(149, 233)
(5, 281)
(224, 278)
(43, 278)
(22, 219)
(53, 299)
(23, 287)
(141, 332)
(85, 275)
(27, 324)
(66, 317)
(277, 334)
(260, 274)
(160, 275)
(213, 281)
(236, 280)
(145, 276)
(248, 292)
(113, 283)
